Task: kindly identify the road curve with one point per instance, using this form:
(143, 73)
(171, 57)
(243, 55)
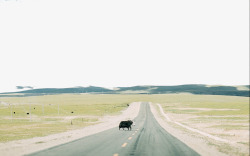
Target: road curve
(147, 138)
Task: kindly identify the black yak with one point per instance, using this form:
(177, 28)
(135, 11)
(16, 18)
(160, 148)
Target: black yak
(125, 124)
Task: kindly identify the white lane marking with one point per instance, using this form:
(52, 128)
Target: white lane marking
(124, 145)
(116, 154)
(129, 138)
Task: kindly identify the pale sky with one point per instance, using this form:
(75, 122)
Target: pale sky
(112, 43)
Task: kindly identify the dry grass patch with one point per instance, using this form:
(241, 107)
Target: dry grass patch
(51, 114)
(224, 116)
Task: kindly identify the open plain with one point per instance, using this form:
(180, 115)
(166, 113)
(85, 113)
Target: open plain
(56, 119)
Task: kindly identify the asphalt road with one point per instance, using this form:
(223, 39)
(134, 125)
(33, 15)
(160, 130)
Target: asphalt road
(147, 138)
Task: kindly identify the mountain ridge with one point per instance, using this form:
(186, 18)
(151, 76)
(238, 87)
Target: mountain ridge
(242, 90)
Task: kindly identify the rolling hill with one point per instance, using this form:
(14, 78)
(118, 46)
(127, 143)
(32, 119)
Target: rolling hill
(191, 88)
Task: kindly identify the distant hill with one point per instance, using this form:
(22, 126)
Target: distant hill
(194, 89)
(46, 91)
(90, 89)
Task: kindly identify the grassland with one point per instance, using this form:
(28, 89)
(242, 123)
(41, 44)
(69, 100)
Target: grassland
(54, 113)
(223, 116)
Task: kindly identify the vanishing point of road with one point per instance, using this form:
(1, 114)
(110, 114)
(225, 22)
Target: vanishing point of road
(147, 138)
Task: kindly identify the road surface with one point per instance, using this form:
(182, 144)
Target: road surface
(147, 138)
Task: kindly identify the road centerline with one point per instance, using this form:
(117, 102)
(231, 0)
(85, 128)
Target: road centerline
(124, 145)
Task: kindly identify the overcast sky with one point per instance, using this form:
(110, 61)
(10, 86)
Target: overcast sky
(109, 43)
